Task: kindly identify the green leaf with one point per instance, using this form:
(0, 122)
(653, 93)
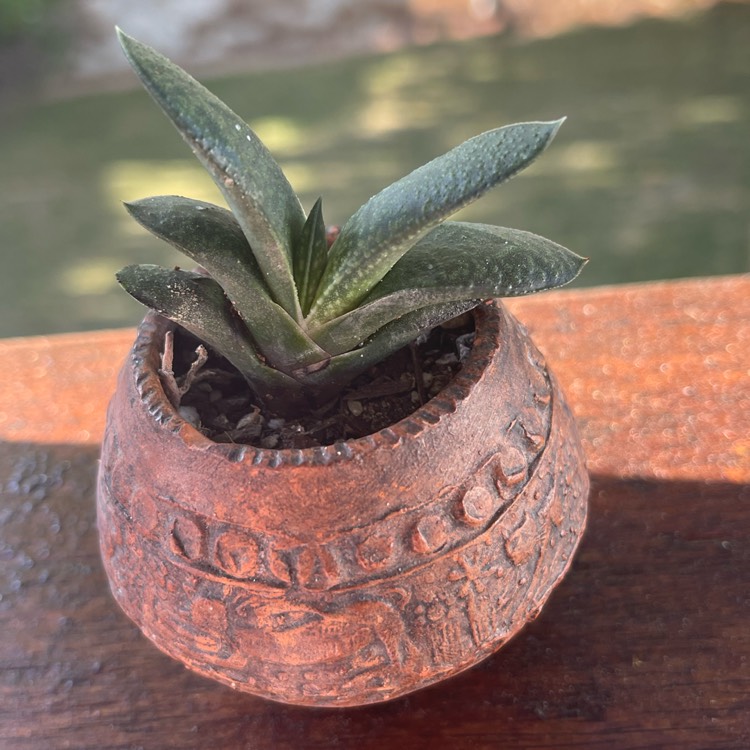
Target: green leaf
(310, 256)
(198, 304)
(382, 230)
(345, 367)
(455, 261)
(211, 236)
(253, 184)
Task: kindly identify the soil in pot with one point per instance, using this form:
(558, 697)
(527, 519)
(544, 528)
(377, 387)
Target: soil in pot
(221, 406)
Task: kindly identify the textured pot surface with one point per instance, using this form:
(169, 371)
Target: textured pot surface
(352, 573)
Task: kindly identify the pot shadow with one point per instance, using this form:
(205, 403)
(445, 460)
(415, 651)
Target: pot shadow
(649, 622)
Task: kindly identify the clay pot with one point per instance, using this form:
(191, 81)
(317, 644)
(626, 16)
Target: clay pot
(352, 573)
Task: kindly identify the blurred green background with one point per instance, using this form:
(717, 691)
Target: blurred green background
(649, 177)
(22, 17)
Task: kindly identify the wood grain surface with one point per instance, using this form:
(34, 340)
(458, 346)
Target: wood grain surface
(645, 644)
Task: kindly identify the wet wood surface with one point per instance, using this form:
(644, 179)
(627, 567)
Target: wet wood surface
(646, 644)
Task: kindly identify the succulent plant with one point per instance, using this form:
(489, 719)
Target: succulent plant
(299, 319)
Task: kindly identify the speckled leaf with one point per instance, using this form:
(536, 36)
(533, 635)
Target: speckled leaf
(252, 182)
(211, 236)
(198, 304)
(310, 255)
(455, 261)
(382, 230)
(343, 368)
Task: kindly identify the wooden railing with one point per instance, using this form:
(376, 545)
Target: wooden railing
(645, 644)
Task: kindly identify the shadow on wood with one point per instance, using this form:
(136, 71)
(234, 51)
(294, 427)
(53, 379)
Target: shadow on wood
(645, 642)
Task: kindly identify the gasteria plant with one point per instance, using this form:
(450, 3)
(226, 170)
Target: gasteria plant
(298, 319)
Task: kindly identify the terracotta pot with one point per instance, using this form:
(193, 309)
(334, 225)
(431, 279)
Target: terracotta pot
(353, 573)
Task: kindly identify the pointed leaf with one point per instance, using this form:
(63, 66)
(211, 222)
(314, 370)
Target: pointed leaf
(198, 304)
(211, 236)
(344, 367)
(310, 256)
(382, 230)
(252, 182)
(456, 261)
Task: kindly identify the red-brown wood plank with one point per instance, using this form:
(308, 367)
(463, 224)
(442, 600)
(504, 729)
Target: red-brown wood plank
(658, 374)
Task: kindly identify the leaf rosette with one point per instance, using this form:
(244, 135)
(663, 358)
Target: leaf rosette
(298, 319)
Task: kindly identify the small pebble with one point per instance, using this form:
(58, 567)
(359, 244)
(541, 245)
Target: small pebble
(190, 415)
(464, 344)
(269, 441)
(249, 420)
(276, 424)
(220, 422)
(355, 407)
(447, 359)
(249, 432)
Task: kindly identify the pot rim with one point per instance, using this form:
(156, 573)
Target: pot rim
(491, 321)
